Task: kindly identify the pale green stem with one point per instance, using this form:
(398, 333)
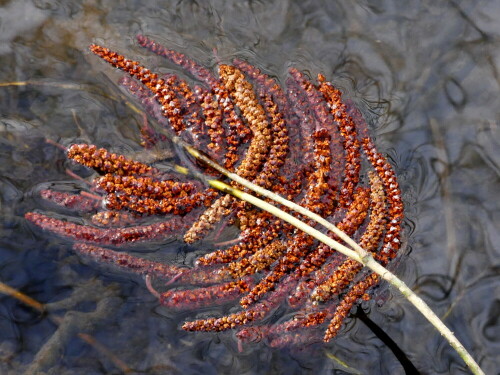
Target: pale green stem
(358, 254)
(364, 258)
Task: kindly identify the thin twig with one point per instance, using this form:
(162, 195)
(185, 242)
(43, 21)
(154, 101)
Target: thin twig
(5, 289)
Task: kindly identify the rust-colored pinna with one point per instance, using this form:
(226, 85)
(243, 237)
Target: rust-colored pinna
(303, 142)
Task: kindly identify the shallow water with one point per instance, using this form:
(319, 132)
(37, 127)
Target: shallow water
(428, 73)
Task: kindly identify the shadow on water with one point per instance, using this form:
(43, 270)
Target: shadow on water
(428, 74)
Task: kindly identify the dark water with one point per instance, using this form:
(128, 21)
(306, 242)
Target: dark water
(428, 70)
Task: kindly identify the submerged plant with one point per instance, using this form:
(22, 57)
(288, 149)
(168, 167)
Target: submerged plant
(303, 142)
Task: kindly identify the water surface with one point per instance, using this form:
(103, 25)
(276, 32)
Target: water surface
(426, 72)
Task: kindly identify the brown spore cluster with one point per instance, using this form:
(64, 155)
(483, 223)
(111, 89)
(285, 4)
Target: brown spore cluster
(300, 141)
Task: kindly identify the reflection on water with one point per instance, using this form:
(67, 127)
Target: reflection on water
(429, 74)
